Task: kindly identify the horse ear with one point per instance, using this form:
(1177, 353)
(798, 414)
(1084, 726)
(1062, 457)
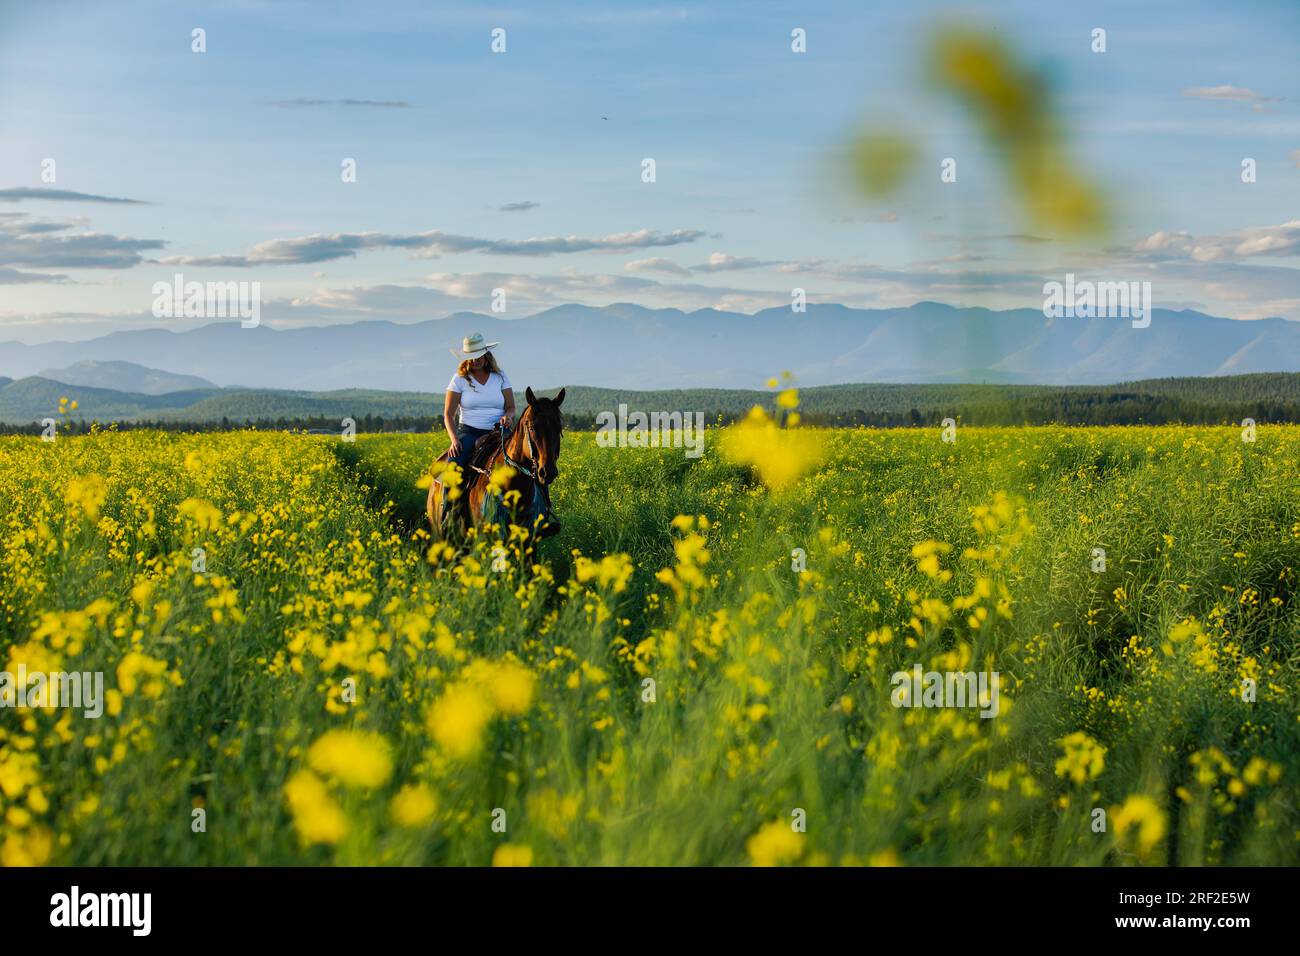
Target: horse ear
(559, 399)
(528, 394)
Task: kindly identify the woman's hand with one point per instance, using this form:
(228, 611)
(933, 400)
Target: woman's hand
(454, 449)
(507, 420)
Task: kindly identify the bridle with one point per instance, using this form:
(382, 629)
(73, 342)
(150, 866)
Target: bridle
(531, 472)
(519, 466)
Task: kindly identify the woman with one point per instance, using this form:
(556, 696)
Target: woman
(482, 395)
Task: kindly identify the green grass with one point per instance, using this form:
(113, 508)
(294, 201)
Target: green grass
(771, 687)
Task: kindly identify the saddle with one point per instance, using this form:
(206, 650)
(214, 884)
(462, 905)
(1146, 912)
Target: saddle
(484, 449)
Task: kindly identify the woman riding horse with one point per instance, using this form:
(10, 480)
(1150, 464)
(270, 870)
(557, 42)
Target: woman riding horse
(482, 395)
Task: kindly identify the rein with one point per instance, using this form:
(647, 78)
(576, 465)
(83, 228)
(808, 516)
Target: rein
(530, 473)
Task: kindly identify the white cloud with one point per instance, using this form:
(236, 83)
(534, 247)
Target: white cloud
(721, 262)
(1238, 94)
(372, 104)
(1280, 240)
(657, 264)
(47, 244)
(21, 193)
(431, 245)
(526, 293)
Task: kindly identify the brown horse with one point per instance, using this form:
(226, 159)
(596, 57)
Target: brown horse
(532, 450)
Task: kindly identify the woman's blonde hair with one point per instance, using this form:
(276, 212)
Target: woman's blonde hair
(463, 369)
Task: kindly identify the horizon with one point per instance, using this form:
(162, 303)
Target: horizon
(478, 173)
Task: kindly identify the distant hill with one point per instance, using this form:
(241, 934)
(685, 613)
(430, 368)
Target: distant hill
(628, 346)
(31, 399)
(125, 377)
(1267, 398)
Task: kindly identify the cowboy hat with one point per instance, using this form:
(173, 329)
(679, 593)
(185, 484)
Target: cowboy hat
(474, 346)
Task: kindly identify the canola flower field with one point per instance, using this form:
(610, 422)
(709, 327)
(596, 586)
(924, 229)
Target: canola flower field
(696, 671)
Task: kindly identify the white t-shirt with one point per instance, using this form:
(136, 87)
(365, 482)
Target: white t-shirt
(481, 406)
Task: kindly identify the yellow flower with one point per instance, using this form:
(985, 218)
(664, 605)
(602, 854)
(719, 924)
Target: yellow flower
(87, 493)
(1142, 813)
(613, 570)
(500, 477)
(30, 848)
(927, 554)
(1084, 758)
(511, 686)
(458, 718)
(1260, 769)
(355, 758)
(781, 456)
(135, 665)
(512, 854)
(18, 771)
(888, 857)
(1188, 627)
(206, 516)
(775, 844)
(316, 817)
(414, 805)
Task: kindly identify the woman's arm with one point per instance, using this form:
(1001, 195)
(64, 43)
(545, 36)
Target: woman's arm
(509, 417)
(449, 419)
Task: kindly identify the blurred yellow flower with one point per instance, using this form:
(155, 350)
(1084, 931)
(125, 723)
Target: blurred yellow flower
(458, 718)
(414, 805)
(88, 493)
(512, 854)
(775, 844)
(30, 848)
(511, 686)
(1084, 758)
(137, 671)
(316, 817)
(612, 571)
(352, 757)
(1141, 814)
(780, 456)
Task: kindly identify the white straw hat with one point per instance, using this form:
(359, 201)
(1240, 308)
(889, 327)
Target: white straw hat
(474, 346)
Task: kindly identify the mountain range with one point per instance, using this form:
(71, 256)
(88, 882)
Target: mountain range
(125, 377)
(632, 347)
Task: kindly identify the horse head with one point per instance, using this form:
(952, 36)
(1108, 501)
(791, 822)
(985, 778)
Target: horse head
(539, 430)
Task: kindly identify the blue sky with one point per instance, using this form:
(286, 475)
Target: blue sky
(233, 157)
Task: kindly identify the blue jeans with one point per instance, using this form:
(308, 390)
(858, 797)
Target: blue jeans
(468, 435)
